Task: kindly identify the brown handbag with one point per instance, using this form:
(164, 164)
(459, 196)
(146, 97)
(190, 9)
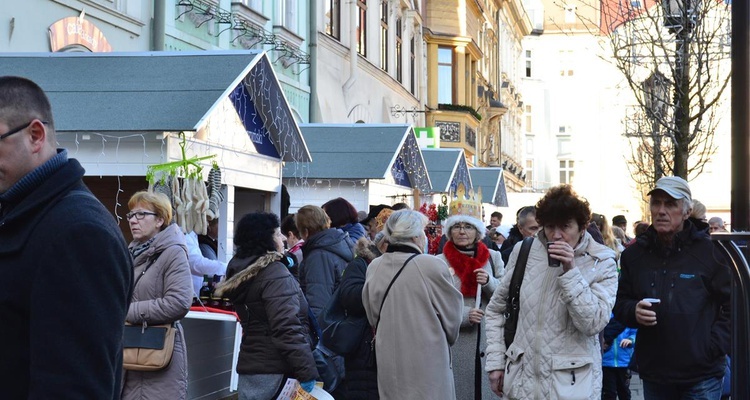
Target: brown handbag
(147, 347)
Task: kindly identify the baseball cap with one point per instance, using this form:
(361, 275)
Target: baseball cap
(674, 186)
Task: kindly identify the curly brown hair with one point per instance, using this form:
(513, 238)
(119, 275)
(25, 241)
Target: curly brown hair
(559, 205)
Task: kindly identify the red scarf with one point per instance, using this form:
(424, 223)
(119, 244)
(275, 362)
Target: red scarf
(464, 266)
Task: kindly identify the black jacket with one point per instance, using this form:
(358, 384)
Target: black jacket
(65, 289)
(692, 335)
(506, 248)
(326, 254)
(273, 314)
(361, 370)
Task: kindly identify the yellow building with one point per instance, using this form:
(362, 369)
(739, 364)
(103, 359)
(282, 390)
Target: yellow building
(473, 63)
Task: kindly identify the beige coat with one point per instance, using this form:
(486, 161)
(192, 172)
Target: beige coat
(420, 321)
(162, 295)
(555, 354)
(464, 351)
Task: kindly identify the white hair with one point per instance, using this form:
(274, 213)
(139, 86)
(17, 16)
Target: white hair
(404, 225)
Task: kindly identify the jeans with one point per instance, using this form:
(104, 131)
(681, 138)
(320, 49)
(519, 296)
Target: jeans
(709, 389)
(615, 383)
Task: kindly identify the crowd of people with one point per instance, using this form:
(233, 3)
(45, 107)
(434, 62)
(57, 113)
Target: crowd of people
(593, 303)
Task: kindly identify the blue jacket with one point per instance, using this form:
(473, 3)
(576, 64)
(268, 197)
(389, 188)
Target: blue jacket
(326, 254)
(616, 356)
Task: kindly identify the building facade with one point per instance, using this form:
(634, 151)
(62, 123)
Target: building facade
(473, 80)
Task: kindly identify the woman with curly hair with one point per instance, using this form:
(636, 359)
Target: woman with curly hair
(567, 294)
(272, 311)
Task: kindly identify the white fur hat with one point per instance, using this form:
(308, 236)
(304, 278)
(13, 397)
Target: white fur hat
(455, 219)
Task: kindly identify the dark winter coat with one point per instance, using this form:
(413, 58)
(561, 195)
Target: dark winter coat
(692, 335)
(361, 370)
(273, 313)
(326, 254)
(65, 288)
(506, 248)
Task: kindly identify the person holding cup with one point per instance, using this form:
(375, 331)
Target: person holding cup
(567, 293)
(675, 288)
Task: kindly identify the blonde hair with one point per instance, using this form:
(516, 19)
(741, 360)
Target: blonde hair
(698, 211)
(311, 220)
(158, 201)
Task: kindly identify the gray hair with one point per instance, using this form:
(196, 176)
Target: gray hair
(404, 225)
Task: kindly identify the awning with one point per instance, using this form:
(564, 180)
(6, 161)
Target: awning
(492, 182)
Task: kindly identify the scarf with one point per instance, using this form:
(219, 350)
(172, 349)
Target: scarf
(465, 265)
(140, 248)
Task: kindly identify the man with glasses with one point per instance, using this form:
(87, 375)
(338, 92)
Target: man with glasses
(66, 272)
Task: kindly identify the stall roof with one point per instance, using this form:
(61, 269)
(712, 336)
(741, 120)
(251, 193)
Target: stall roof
(447, 168)
(361, 151)
(154, 91)
(492, 182)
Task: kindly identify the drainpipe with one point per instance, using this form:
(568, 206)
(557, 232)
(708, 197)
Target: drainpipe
(352, 47)
(313, 70)
(159, 21)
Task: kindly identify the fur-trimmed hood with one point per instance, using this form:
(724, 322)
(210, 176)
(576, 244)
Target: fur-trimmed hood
(367, 250)
(245, 275)
(454, 219)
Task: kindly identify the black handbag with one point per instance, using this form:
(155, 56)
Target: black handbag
(342, 333)
(512, 302)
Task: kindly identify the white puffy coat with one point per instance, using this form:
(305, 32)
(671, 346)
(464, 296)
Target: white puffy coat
(555, 353)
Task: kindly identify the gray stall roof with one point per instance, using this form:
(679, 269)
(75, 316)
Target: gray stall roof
(492, 182)
(153, 91)
(360, 151)
(447, 168)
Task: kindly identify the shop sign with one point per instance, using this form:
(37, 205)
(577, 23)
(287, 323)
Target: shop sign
(72, 31)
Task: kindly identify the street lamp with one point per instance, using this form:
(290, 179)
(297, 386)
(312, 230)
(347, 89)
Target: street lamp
(655, 99)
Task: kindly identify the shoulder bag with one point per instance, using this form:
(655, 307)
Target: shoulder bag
(385, 295)
(342, 333)
(147, 347)
(512, 302)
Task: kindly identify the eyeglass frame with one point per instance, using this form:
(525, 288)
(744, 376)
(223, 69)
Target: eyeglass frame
(135, 214)
(466, 228)
(20, 128)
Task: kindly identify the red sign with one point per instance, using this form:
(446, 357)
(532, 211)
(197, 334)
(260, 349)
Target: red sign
(73, 31)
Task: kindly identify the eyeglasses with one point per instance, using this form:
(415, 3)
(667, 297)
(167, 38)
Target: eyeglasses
(139, 215)
(466, 228)
(18, 129)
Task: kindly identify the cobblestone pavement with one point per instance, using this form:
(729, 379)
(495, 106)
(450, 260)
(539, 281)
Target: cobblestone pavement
(636, 388)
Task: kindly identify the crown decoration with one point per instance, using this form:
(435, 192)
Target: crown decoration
(466, 204)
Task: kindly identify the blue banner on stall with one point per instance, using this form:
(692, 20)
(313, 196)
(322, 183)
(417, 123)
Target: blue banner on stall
(253, 123)
(398, 170)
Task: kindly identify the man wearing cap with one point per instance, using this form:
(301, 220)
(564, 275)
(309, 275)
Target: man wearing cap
(621, 222)
(683, 338)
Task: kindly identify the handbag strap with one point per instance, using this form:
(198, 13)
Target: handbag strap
(520, 269)
(153, 260)
(389, 288)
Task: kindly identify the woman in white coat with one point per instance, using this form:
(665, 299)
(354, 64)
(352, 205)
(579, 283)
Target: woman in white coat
(555, 353)
(418, 320)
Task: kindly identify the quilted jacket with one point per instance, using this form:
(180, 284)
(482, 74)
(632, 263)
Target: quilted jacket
(555, 353)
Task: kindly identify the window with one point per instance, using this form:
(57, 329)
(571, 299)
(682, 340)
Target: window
(362, 28)
(528, 118)
(287, 17)
(565, 130)
(570, 14)
(445, 75)
(566, 171)
(529, 171)
(333, 18)
(399, 72)
(413, 66)
(566, 62)
(384, 36)
(528, 63)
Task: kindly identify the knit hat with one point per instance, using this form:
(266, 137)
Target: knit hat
(465, 219)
